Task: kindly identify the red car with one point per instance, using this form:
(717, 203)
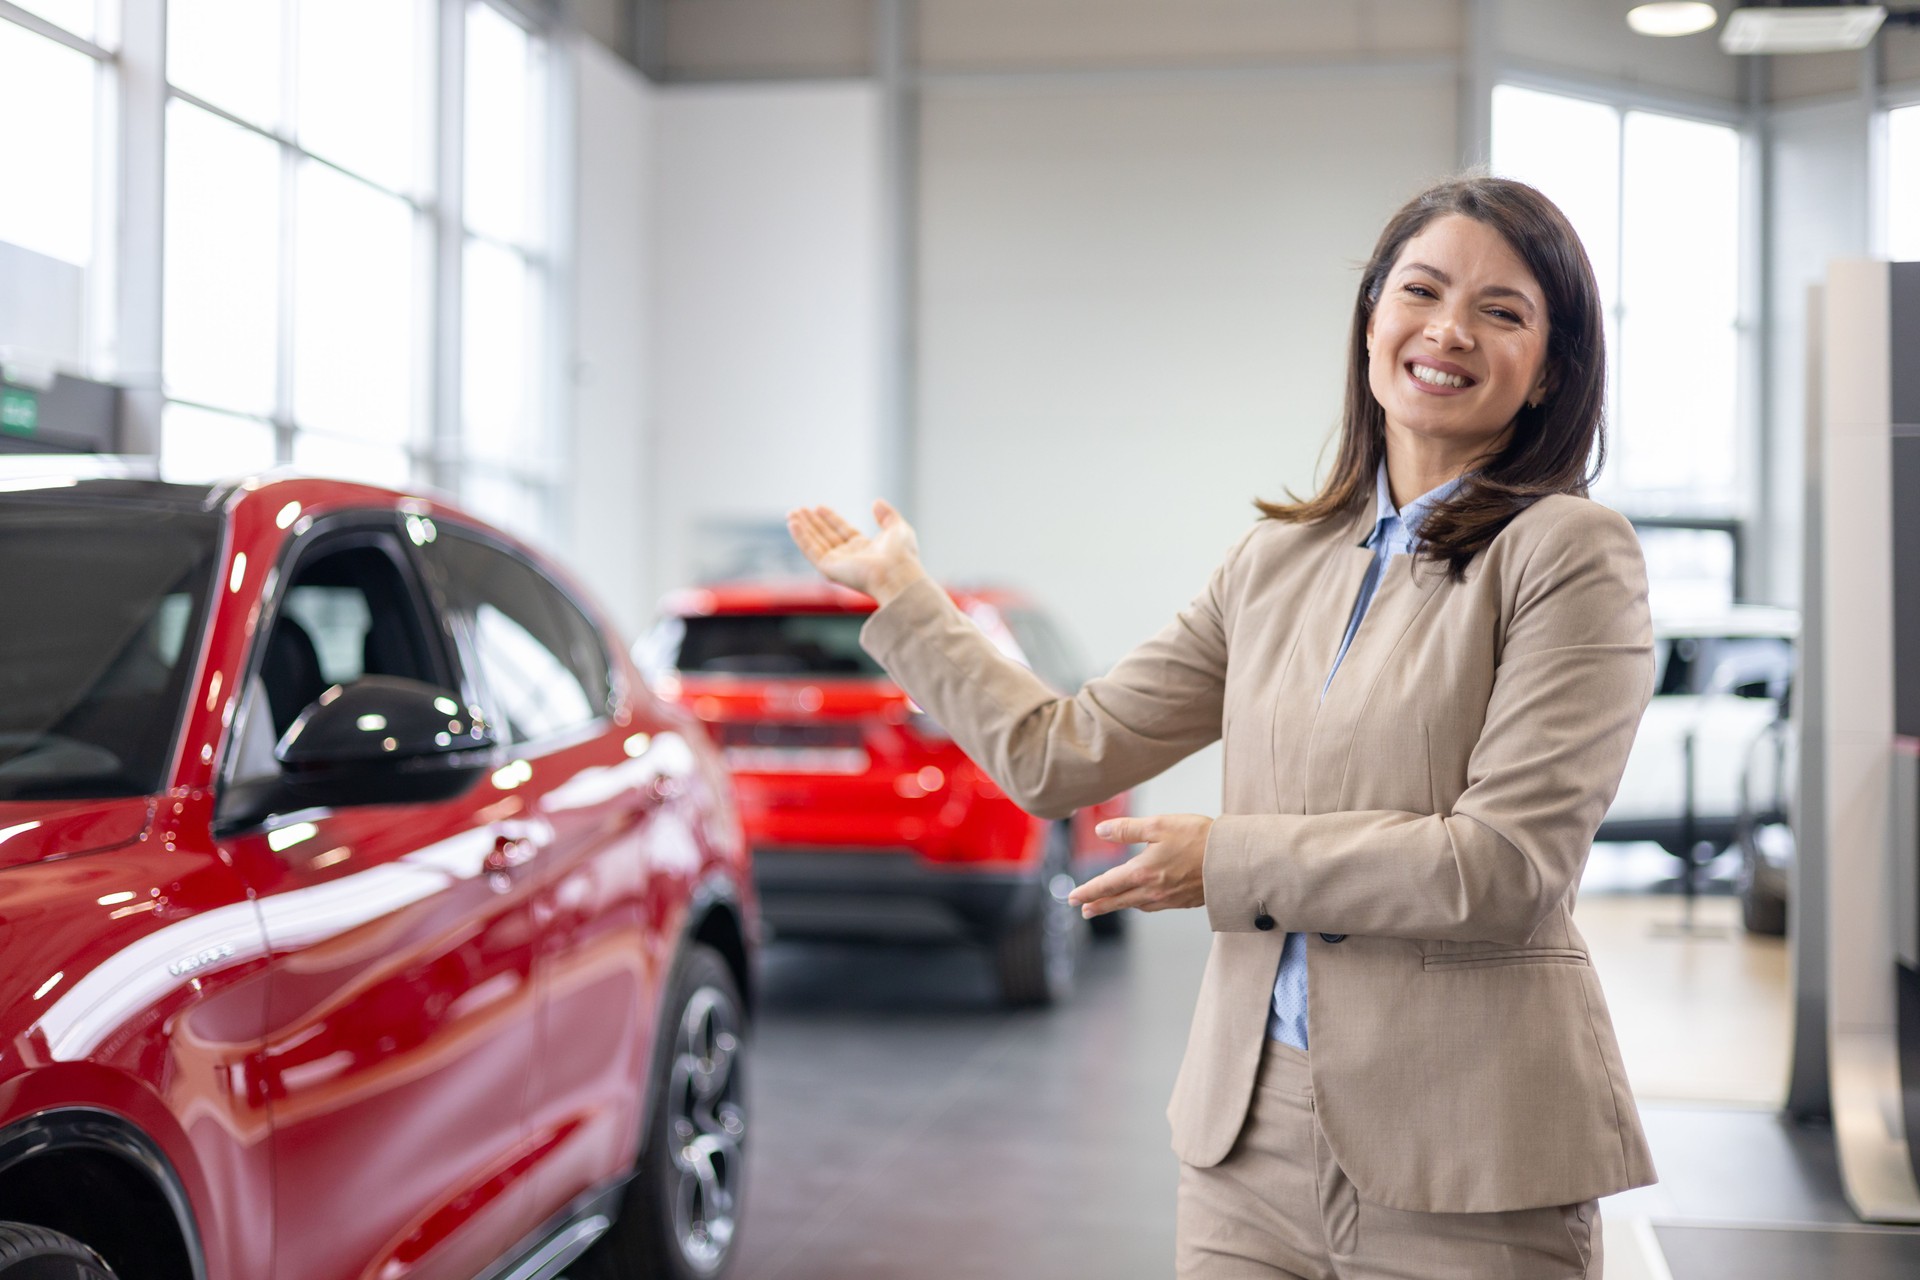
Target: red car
(361, 913)
(865, 819)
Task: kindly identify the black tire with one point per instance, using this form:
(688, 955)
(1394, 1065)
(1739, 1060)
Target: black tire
(1762, 909)
(1037, 956)
(35, 1253)
(681, 1214)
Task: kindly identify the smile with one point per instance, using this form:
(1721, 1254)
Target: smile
(1429, 376)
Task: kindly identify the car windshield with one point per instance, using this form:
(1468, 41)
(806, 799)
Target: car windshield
(104, 606)
(768, 644)
(1723, 664)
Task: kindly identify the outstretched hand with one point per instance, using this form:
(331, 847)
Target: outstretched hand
(882, 566)
(1164, 875)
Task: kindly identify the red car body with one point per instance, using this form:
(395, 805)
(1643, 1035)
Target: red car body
(418, 1038)
(865, 818)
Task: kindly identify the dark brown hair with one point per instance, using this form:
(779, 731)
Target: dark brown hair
(1556, 448)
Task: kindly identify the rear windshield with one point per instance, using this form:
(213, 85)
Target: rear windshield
(766, 644)
(103, 614)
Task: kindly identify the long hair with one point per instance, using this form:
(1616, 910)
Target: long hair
(1556, 448)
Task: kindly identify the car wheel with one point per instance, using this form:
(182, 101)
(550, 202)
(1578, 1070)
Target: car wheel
(35, 1253)
(1763, 910)
(682, 1209)
(1036, 957)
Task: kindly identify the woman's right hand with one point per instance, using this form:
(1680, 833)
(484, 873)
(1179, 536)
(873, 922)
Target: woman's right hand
(881, 566)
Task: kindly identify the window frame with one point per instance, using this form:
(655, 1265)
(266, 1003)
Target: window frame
(460, 628)
(1749, 479)
(339, 531)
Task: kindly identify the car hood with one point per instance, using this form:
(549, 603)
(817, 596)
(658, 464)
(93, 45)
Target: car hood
(34, 830)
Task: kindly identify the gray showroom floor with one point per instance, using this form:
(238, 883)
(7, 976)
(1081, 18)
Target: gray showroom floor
(904, 1128)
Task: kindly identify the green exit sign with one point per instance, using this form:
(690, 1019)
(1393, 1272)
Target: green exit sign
(19, 411)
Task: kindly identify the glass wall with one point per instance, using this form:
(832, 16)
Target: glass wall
(57, 95)
(1656, 200)
(305, 317)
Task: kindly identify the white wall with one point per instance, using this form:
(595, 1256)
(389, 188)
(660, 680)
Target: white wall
(1132, 306)
(606, 515)
(765, 310)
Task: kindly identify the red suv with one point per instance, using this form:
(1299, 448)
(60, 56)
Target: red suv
(865, 819)
(361, 913)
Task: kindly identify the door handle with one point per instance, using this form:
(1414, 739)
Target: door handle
(510, 853)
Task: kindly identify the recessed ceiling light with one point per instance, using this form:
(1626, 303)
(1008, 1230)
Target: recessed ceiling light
(1801, 28)
(1671, 18)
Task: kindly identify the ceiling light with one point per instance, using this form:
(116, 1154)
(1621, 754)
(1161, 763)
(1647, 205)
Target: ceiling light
(1801, 28)
(1671, 18)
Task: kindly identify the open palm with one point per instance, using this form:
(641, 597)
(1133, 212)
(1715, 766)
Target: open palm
(881, 566)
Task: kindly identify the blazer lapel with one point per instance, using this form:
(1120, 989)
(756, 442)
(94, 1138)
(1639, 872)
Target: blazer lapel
(1297, 711)
(1407, 587)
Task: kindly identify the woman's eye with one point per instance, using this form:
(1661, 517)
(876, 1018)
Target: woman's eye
(1508, 316)
(1420, 290)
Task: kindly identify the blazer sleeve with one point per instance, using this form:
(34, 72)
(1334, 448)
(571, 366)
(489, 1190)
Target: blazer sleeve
(1054, 754)
(1572, 679)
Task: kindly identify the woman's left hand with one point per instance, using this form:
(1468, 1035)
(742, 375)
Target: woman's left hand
(1166, 874)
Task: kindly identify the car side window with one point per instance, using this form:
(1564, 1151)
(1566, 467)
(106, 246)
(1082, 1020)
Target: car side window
(539, 657)
(1053, 659)
(345, 613)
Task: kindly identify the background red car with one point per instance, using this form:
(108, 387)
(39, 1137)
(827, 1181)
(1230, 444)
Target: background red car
(865, 819)
(361, 913)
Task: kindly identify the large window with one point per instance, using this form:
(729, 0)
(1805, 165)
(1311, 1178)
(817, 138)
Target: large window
(327, 303)
(1903, 184)
(1656, 199)
(56, 264)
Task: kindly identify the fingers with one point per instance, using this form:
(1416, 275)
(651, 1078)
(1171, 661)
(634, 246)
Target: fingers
(1121, 879)
(884, 513)
(1126, 830)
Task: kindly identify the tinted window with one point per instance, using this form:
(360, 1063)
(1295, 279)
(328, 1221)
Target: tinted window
(773, 644)
(540, 658)
(1723, 664)
(1053, 659)
(104, 606)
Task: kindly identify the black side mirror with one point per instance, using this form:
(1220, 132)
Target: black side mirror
(379, 740)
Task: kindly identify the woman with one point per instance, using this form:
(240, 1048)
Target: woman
(1427, 677)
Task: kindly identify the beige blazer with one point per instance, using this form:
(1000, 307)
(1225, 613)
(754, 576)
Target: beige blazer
(1436, 809)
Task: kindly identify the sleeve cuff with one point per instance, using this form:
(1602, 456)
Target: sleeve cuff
(1238, 871)
(909, 613)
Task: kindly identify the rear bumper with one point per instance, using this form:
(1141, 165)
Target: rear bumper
(886, 893)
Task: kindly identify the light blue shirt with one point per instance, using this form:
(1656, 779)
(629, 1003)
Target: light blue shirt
(1393, 535)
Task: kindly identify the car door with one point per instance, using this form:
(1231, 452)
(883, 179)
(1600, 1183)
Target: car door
(401, 1020)
(589, 774)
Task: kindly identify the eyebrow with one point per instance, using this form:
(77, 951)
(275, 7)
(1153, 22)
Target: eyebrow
(1491, 291)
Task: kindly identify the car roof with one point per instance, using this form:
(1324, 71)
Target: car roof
(1743, 620)
(804, 595)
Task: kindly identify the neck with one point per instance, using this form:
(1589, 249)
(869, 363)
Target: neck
(1420, 464)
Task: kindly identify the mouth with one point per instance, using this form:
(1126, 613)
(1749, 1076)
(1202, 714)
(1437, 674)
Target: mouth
(1436, 380)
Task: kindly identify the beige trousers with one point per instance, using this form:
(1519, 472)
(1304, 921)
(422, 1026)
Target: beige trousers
(1279, 1208)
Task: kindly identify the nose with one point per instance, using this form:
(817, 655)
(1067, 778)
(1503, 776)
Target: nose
(1447, 327)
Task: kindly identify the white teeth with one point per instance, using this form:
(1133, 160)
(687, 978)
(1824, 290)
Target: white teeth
(1437, 378)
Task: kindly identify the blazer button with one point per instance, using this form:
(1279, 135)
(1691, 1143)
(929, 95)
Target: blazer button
(1263, 922)
(1333, 937)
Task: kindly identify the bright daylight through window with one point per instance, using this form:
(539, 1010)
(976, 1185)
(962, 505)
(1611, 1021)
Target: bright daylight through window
(1656, 200)
(302, 308)
(55, 260)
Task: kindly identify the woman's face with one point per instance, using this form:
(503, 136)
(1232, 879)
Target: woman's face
(1458, 341)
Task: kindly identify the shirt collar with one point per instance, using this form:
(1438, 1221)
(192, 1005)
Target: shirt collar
(1403, 521)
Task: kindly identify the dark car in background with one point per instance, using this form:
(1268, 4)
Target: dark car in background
(361, 912)
(865, 819)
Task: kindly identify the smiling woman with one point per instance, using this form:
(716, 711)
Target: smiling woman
(1415, 766)
(1478, 344)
